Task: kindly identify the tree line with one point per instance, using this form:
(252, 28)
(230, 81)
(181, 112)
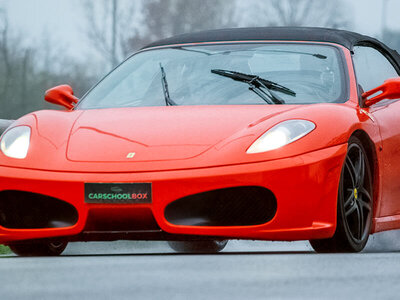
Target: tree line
(116, 28)
(26, 72)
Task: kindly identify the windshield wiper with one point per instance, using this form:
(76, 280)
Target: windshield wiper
(256, 84)
(317, 55)
(168, 100)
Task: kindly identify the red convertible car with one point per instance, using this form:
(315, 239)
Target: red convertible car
(252, 133)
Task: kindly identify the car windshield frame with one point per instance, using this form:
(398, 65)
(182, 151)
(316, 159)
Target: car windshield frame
(341, 60)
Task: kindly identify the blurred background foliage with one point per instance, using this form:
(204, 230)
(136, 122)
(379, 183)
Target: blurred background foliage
(26, 71)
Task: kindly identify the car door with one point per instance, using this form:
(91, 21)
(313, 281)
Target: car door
(372, 68)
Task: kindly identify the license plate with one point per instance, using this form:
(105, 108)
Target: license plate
(118, 193)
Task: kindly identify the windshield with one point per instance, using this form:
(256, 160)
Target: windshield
(224, 74)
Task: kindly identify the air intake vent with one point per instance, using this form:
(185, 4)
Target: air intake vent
(24, 210)
(237, 206)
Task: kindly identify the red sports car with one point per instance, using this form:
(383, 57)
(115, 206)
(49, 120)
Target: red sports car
(253, 133)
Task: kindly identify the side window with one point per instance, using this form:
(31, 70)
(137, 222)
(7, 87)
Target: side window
(372, 67)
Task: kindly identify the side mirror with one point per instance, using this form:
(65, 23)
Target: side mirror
(390, 89)
(61, 95)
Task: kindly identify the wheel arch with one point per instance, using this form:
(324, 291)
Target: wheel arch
(343, 238)
(370, 149)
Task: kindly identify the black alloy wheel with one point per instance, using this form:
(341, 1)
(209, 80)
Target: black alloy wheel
(206, 246)
(355, 204)
(39, 248)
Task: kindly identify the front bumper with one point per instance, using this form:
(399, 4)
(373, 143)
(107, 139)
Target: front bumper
(305, 187)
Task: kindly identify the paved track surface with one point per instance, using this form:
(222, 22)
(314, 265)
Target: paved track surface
(244, 270)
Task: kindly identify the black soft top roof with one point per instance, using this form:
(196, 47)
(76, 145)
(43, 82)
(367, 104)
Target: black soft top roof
(345, 38)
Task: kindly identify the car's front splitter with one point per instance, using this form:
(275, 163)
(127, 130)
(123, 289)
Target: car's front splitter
(305, 188)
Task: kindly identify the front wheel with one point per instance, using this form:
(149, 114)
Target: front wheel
(39, 248)
(355, 204)
(209, 246)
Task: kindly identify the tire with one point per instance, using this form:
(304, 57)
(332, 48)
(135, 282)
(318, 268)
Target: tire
(354, 204)
(39, 248)
(211, 246)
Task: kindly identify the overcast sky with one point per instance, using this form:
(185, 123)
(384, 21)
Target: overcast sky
(64, 21)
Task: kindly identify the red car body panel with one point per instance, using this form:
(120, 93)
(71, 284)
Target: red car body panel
(203, 148)
(300, 214)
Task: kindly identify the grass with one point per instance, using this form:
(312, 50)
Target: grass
(4, 249)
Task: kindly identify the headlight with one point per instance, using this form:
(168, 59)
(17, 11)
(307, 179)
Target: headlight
(15, 142)
(281, 134)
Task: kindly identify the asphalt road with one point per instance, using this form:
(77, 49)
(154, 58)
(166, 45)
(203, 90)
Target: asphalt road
(244, 270)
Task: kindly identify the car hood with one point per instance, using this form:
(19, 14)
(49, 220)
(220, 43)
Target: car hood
(146, 139)
(155, 133)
